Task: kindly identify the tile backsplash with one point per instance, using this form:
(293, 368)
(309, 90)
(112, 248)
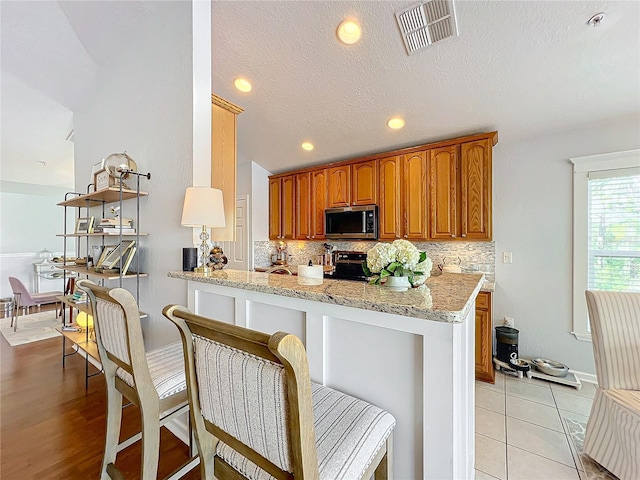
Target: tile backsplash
(480, 254)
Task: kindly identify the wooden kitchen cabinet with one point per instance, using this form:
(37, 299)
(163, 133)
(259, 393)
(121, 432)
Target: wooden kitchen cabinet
(311, 201)
(460, 191)
(475, 192)
(339, 187)
(443, 192)
(303, 206)
(390, 208)
(281, 207)
(355, 184)
(436, 191)
(403, 197)
(318, 202)
(484, 338)
(364, 183)
(223, 161)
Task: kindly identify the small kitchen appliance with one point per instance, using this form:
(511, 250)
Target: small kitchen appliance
(506, 343)
(280, 257)
(353, 223)
(348, 265)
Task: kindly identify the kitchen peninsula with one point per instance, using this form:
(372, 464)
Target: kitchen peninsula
(411, 353)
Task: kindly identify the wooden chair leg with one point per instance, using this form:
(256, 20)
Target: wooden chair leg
(114, 418)
(384, 471)
(150, 443)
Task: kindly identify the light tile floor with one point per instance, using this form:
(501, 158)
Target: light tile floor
(519, 430)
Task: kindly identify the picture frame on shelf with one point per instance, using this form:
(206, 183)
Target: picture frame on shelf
(127, 262)
(96, 168)
(84, 225)
(106, 251)
(102, 179)
(112, 259)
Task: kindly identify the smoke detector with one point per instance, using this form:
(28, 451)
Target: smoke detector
(426, 23)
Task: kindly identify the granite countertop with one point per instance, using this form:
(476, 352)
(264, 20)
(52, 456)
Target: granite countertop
(445, 298)
(486, 286)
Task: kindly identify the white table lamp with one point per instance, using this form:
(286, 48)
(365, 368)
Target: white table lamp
(203, 207)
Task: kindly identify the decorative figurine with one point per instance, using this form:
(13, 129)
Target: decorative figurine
(217, 260)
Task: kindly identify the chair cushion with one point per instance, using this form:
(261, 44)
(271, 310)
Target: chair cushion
(349, 434)
(166, 367)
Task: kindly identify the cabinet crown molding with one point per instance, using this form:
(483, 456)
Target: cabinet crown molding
(221, 102)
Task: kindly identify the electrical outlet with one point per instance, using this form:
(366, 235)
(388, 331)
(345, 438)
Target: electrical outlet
(507, 257)
(508, 322)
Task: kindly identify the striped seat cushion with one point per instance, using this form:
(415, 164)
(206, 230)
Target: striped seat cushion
(166, 367)
(349, 433)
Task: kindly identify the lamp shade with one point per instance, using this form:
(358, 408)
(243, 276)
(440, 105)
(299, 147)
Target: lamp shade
(203, 206)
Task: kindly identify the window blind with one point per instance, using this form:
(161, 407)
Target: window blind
(614, 230)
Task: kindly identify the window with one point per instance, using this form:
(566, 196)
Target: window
(606, 229)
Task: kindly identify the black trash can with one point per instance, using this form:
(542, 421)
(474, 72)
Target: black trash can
(506, 343)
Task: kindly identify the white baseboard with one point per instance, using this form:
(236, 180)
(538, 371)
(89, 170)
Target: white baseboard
(585, 377)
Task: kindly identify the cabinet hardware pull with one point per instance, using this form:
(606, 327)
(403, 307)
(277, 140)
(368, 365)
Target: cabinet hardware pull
(464, 234)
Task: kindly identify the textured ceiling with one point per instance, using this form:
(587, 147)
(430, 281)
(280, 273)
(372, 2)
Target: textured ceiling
(521, 67)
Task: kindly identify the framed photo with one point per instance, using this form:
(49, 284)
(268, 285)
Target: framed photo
(112, 259)
(105, 252)
(103, 180)
(96, 168)
(126, 263)
(84, 225)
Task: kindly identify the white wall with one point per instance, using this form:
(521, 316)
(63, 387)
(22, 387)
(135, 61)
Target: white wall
(532, 215)
(253, 180)
(30, 221)
(144, 105)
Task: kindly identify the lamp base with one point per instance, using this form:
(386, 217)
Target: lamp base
(203, 270)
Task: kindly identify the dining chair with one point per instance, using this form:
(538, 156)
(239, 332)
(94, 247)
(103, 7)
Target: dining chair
(23, 299)
(612, 437)
(152, 380)
(257, 415)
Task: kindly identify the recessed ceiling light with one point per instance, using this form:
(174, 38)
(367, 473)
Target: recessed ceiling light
(349, 32)
(395, 123)
(242, 84)
(307, 146)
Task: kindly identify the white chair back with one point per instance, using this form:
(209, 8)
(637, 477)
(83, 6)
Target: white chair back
(615, 331)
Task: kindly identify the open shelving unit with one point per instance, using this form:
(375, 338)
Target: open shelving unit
(83, 342)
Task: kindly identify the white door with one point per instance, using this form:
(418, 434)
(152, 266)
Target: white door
(238, 253)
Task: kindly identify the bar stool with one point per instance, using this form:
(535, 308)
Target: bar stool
(257, 415)
(154, 380)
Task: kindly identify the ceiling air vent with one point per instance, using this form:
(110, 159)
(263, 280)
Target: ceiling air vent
(426, 23)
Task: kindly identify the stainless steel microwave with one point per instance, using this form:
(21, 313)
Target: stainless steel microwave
(351, 223)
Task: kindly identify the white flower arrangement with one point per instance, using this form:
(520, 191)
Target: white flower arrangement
(400, 258)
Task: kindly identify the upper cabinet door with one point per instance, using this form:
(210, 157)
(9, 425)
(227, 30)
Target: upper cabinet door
(318, 202)
(475, 189)
(390, 210)
(223, 162)
(443, 192)
(414, 196)
(339, 186)
(275, 209)
(288, 210)
(364, 179)
(303, 206)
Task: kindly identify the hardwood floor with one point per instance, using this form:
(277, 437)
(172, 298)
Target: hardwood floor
(52, 428)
